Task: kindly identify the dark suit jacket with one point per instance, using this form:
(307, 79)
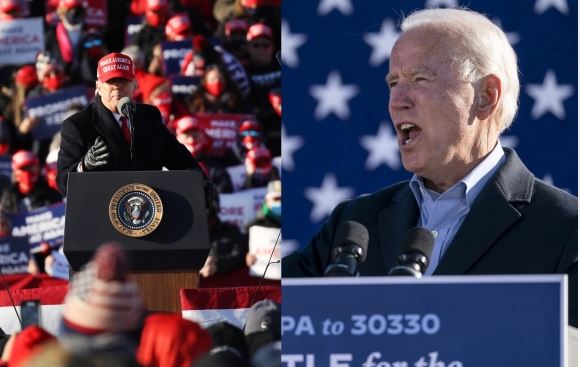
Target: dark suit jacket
(517, 225)
(154, 145)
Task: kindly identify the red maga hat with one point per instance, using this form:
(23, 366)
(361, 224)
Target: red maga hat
(259, 30)
(115, 65)
(156, 5)
(23, 158)
(177, 27)
(26, 76)
(69, 4)
(187, 123)
(234, 25)
(7, 6)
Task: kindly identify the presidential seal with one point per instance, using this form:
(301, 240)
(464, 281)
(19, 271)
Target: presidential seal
(135, 210)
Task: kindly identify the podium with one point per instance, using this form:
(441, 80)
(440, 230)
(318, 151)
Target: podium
(439, 321)
(158, 217)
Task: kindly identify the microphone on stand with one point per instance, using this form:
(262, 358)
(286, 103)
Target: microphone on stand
(417, 248)
(349, 250)
(126, 109)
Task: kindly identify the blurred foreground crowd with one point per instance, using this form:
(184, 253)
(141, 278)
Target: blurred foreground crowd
(104, 323)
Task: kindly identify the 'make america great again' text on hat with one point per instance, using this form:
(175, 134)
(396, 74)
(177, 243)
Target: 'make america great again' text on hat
(115, 65)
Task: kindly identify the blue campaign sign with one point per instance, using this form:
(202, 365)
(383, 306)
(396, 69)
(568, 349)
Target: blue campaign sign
(134, 25)
(40, 225)
(6, 165)
(19, 233)
(447, 321)
(173, 55)
(14, 254)
(184, 85)
(52, 108)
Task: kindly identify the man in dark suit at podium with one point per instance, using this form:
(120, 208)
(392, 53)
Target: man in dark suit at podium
(98, 138)
(454, 88)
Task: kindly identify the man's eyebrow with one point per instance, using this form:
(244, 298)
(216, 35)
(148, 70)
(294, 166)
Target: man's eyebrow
(411, 72)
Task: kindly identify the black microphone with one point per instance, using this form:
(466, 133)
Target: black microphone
(417, 248)
(126, 109)
(349, 250)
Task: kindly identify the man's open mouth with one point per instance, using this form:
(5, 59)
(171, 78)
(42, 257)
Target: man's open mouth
(409, 132)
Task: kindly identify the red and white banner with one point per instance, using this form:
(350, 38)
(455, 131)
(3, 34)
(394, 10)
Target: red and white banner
(49, 291)
(208, 306)
(222, 129)
(205, 306)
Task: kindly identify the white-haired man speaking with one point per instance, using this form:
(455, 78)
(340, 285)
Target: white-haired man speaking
(454, 88)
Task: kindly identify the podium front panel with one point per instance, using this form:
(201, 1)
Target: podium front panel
(180, 241)
(439, 321)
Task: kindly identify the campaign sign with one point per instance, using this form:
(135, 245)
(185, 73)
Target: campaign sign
(184, 85)
(445, 321)
(96, 13)
(222, 128)
(20, 40)
(14, 254)
(52, 109)
(40, 225)
(238, 175)
(238, 172)
(173, 54)
(134, 25)
(6, 165)
(241, 207)
(264, 243)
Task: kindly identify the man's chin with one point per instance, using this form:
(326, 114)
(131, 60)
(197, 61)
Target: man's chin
(411, 164)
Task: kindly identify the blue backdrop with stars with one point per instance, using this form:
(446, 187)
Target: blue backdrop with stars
(338, 139)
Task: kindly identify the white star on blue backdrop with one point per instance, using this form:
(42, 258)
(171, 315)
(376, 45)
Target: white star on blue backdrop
(290, 44)
(333, 97)
(338, 139)
(325, 198)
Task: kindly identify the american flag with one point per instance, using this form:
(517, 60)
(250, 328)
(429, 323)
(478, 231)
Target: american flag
(338, 139)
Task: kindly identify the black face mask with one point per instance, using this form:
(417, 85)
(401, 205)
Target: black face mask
(75, 16)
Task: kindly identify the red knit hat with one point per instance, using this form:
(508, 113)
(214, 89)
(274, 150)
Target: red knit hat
(101, 297)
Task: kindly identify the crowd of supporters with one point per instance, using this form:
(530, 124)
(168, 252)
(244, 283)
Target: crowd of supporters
(230, 69)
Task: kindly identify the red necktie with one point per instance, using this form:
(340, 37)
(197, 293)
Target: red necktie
(125, 129)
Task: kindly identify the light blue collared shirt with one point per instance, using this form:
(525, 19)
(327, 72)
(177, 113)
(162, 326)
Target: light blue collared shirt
(444, 213)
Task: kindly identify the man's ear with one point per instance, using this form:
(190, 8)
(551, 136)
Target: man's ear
(489, 95)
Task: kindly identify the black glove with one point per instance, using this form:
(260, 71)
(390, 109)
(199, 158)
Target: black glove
(97, 156)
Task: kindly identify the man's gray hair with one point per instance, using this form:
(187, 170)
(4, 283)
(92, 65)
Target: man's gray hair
(487, 51)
